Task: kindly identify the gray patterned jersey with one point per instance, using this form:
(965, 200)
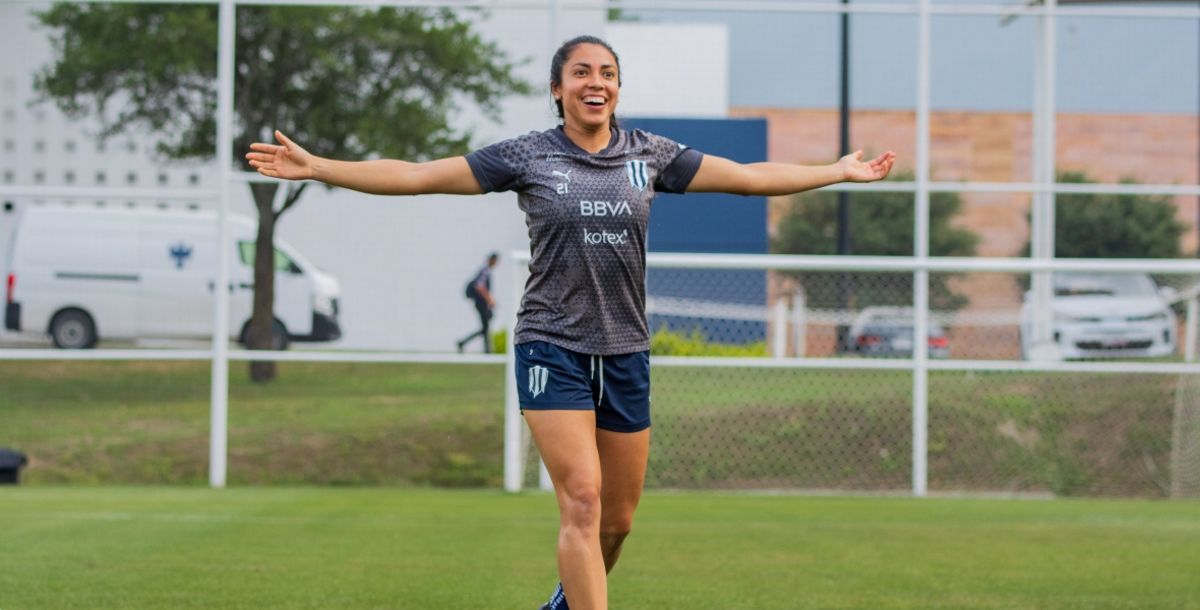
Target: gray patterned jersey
(587, 216)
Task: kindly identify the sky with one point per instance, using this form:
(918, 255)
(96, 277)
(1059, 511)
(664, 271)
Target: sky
(1104, 64)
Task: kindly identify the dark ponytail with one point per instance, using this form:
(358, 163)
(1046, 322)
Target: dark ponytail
(560, 58)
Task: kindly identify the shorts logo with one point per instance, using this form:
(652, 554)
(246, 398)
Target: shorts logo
(537, 380)
(637, 174)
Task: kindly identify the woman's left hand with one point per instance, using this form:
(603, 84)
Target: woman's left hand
(856, 170)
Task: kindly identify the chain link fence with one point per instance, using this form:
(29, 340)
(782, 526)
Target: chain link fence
(781, 423)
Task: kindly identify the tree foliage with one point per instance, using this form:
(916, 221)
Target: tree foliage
(881, 224)
(347, 83)
(1113, 225)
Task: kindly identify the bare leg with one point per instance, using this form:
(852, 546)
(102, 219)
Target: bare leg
(567, 442)
(623, 458)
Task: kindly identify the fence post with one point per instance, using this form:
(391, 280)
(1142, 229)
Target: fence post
(800, 322)
(1190, 328)
(514, 445)
(779, 336)
(218, 433)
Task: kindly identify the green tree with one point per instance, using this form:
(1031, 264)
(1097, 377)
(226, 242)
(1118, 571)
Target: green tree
(881, 224)
(346, 82)
(1114, 226)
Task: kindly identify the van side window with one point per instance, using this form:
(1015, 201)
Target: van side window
(282, 261)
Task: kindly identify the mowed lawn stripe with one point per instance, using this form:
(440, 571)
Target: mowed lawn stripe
(156, 547)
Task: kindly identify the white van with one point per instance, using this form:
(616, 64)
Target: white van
(82, 274)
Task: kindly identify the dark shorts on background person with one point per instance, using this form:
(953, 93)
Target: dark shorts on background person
(616, 387)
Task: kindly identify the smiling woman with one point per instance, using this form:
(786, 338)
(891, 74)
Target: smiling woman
(588, 88)
(582, 342)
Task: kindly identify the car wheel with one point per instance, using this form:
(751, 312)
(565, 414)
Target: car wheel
(73, 329)
(280, 340)
(279, 336)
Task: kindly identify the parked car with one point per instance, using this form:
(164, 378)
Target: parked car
(1105, 315)
(78, 274)
(888, 332)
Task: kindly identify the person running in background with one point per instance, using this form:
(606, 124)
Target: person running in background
(479, 290)
(582, 343)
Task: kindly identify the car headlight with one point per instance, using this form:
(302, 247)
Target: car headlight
(1062, 318)
(323, 304)
(1154, 317)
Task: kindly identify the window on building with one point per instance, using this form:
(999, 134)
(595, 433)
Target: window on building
(69, 177)
(101, 177)
(162, 179)
(39, 146)
(9, 176)
(39, 176)
(70, 146)
(194, 179)
(131, 178)
(10, 145)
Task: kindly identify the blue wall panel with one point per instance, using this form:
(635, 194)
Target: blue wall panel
(710, 222)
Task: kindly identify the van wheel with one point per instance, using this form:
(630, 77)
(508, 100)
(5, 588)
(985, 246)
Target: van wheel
(73, 329)
(280, 340)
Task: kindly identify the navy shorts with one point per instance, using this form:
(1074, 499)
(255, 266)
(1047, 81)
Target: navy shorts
(616, 387)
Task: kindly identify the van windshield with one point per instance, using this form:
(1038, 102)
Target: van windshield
(282, 261)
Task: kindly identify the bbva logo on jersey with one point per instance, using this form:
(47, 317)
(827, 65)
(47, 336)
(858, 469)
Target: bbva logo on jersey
(637, 174)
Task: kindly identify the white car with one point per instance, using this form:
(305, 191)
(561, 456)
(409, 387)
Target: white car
(1105, 315)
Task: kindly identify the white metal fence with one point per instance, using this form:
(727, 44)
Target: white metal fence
(1042, 189)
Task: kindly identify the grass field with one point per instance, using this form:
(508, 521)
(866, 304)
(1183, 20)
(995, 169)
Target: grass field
(441, 425)
(160, 548)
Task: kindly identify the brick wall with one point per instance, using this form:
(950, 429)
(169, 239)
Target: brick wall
(996, 147)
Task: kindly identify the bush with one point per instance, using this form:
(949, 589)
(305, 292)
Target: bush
(665, 342)
(500, 341)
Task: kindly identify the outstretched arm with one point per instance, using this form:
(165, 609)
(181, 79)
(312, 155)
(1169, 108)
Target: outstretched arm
(719, 175)
(289, 161)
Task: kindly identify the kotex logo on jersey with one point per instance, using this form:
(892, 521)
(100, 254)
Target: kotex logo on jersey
(595, 238)
(604, 208)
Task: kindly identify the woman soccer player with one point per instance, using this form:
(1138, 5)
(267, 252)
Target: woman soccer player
(582, 344)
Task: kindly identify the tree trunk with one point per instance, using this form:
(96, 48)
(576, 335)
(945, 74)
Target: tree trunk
(262, 319)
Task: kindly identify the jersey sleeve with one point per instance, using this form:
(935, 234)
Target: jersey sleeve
(501, 166)
(676, 163)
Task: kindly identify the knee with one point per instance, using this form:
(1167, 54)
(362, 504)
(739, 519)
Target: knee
(581, 505)
(616, 528)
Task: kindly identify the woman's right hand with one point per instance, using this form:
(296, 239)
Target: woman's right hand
(285, 160)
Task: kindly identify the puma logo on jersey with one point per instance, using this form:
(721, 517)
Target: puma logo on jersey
(604, 208)
(562, 187)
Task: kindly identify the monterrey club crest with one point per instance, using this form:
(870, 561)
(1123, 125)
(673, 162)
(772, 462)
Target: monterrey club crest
(637, 174)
